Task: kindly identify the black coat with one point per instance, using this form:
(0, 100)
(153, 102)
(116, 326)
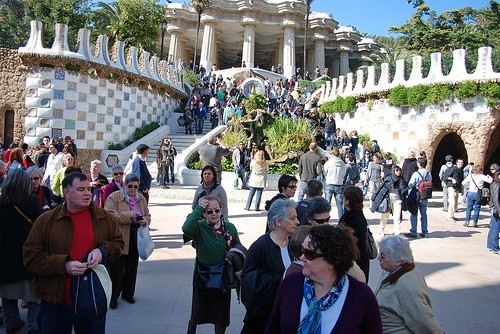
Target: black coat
(357, 221)
(14, 230)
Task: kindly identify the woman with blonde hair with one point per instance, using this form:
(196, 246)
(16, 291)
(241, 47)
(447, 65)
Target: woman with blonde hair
(258, 179)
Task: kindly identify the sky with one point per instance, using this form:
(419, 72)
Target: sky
(374, 17)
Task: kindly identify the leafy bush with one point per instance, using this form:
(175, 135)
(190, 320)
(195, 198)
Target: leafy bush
(313, 85)
(417, 95)
(255, 101)
(286, 135)
(465, 90)
(72, 67)
(195, 164)
(348, 104)
(115, 146)
(490, 89)
(232, 139)
(147, 129)
(364, 137)
(340, 105)
(327, 107)
(191, 77)
(398, 96)
(287, 167)
(438, 93)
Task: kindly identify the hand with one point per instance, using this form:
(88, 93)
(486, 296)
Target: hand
(75, 268)
(94, 258)
(133, 214)
(203, 202)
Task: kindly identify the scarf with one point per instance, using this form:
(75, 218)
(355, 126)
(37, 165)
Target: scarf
(133, 204)
(394, 276)
(311, 324)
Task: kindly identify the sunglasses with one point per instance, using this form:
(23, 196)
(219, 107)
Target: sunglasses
(292, 187)
(322, 221)
(116, 174)
(130, 186)
(209, 212)
(310, 254)
(36, 178)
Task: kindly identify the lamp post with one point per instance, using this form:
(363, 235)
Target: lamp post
(163, 29)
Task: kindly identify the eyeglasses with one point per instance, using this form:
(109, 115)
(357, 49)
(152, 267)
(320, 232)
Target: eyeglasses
(322, 221)
(116, 174)
(130, 186)
(209, 212)
(36, 178)
(292, 187)
(310, 254)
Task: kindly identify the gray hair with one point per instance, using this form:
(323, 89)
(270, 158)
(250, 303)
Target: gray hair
(117, 167)
(317, 205)
(96, 162)
(278, 210)
(34, 169)
(397, 248)
(131, 178)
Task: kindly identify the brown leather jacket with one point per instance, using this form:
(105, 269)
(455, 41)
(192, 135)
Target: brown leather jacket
(47, 248)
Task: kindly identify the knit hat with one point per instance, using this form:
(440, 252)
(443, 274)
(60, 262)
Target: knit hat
(141, 148)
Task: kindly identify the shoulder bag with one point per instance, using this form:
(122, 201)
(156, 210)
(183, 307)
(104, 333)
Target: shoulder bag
(371, 245)
(482, 194)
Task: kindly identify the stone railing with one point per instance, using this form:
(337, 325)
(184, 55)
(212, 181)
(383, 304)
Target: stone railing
(351, 85)
(131, 62)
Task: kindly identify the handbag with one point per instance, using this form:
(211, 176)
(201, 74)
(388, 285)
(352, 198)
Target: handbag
(210, 280)
(145, 244)
(385, 205)
(482, 194)
(371, 246)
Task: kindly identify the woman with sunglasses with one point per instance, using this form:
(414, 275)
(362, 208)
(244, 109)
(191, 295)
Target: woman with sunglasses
(212, 237)
(402, 294)
(43, 194)
(117, 172)
(209, 186)
(130, 209)
(266, 261)
(323, 298)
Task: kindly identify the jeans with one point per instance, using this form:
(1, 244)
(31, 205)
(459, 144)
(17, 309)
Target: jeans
(492, 241)
(60, 319)
(252, 192)
(397, 209)
(452, 202)
(329, 138)
(302, 185)
(335, 190)
(215, 122)
(239, 172)
(472, 204)
(11, 315)
(422, 207)
(167, 172)
(199, 125)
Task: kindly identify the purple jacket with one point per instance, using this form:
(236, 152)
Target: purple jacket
(360, 313)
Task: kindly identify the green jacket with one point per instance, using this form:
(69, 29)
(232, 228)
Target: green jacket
(210, 247)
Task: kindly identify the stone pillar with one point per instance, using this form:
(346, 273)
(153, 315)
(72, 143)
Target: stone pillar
(248, 55)
(319, 48)
(289, 51)
(281, 47)
(335, 68)
(344, 62)
(173, 50)
(208, 47)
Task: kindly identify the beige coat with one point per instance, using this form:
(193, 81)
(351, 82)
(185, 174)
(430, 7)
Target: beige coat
(120, 209)
(258, 175)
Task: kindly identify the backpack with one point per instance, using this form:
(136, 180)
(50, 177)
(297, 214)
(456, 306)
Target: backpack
(424, 187)
(91, 292)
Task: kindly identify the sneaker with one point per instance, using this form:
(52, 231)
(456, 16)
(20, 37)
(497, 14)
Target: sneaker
(423, 235)
(466, 224)
(411, 235)
(247, 209)
(453, 219)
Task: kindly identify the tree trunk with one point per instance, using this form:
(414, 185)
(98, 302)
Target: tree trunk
(196, 42)
(308, 9)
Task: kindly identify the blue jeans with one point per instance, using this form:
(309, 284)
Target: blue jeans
(301, 187)
(335, 190)
(240, 173)
(60, 319)
(215, 122)
(492, 241)
(11, 315)
(257, 198)
(472, 204)
(199, 125)
(422, 207)
(329, 138)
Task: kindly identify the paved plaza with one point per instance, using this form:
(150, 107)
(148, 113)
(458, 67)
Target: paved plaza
(462, 275)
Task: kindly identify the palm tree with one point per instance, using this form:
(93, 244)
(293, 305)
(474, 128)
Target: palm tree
(199, 6)
(104, 20)
(308, 11)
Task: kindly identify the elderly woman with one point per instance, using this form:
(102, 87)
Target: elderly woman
(474, 181)
(97, 180)
(323, 298)
(116, 184)
(258, 179)
(18, 211)
(209, 186)
(212, 237)
(56, 184)
(43, 194)
(130, 210)
(355, 219)
(402, 294)
(266, 261)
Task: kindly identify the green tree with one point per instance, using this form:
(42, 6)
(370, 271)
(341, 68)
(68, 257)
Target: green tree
(13, 25)
(199, 6)
(74, 13)
(134, 22)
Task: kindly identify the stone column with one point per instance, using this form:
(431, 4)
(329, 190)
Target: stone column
(248, 55)
(319, 48)
(344, 62)
(173, 50)
(281, 47)
(289, 48)
(208, 46)
(335, 68)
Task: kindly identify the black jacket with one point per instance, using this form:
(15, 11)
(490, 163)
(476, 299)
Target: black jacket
(357, 221)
